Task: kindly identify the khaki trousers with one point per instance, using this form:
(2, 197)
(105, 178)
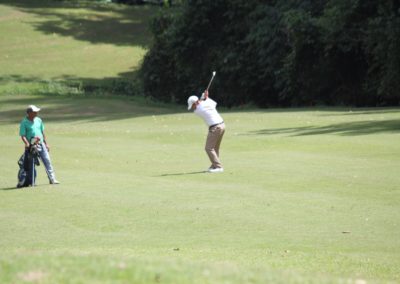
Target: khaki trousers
(213, 143)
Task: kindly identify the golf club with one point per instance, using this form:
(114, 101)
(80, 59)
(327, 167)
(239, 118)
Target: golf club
(212, 78)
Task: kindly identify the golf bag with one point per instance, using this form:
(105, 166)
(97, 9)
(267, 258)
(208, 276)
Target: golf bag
(27, 163)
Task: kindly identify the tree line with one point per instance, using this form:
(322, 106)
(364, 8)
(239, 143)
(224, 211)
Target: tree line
(277, 53)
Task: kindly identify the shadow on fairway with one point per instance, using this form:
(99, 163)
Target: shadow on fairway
(345, 129)
(182, 174)
(38, 186)
(67, 106)
(369, 111)
(9, 188)
(80, 110)
(92, 22)
(124, 83)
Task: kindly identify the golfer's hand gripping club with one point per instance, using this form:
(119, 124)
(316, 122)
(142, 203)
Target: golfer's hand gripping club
(204, 95)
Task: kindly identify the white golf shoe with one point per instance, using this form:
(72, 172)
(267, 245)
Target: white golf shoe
(216, 170)
(54, 181)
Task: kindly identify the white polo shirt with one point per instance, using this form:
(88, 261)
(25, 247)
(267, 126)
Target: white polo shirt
(208, 112)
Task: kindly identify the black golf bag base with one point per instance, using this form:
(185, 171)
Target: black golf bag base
(27, 171)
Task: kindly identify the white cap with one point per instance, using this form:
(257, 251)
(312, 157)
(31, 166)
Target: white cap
(32, 108)
(191, 101)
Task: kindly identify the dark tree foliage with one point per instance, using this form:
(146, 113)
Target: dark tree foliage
(277, 53)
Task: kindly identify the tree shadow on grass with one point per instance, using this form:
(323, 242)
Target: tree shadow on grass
(76, 99)
(368, 111)
(344, 129)
(80, 109)
(99, 23)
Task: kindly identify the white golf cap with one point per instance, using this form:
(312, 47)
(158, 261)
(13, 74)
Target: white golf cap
(32, 108)
(191, 101)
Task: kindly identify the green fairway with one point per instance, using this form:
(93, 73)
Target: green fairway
(307, 196)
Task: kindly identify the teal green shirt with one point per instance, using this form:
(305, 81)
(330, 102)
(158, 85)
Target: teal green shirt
(31, 129)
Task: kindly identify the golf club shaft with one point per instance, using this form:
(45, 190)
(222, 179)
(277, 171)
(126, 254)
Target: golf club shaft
(212, 78)
(33, 171)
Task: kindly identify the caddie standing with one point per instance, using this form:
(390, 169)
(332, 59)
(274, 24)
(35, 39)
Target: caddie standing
(32, 128)
(206, 109)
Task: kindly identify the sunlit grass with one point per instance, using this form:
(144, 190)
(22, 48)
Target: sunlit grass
(306, 196)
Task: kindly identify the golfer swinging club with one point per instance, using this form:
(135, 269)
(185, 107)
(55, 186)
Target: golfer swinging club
(32, 127)
(206, 109)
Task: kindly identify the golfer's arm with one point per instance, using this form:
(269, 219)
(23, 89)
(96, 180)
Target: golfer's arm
(44, 138)
(25, 141)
